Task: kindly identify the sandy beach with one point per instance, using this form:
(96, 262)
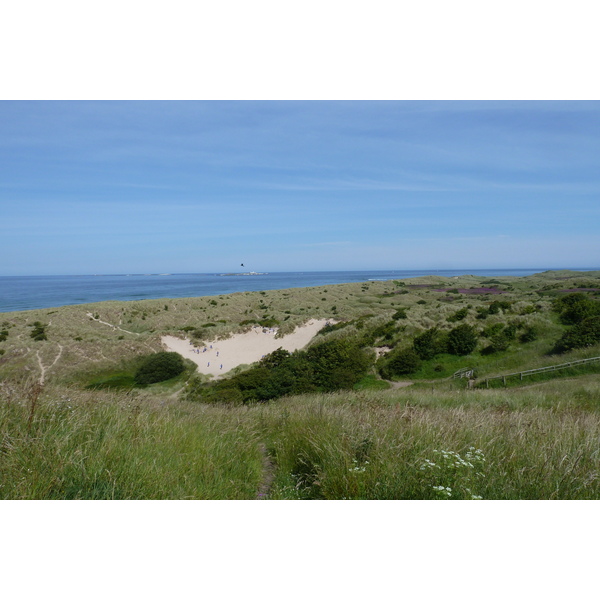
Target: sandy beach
(218, 357)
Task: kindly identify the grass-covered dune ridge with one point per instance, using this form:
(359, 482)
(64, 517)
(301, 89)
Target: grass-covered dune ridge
(74, 424)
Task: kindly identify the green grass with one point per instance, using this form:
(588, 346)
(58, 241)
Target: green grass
(87, 446)
(538, 442)
(371, 382)
(115, 381)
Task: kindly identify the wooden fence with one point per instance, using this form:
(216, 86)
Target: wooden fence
(522, 374)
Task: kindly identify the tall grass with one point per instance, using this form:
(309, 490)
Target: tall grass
(534, 443)
(361, 447)
(98, 446)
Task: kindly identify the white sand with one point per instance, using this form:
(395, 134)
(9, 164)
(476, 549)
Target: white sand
(218, 357)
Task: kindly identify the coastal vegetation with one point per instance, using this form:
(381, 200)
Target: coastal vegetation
(92, 407)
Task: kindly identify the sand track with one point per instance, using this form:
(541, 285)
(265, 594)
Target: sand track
(241, 348)
(45, 369)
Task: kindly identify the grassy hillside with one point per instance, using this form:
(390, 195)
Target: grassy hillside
(69, 429)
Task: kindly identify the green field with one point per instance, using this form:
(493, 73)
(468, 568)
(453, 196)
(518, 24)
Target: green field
(371, 425)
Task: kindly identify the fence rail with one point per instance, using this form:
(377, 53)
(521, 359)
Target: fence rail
(522, 374)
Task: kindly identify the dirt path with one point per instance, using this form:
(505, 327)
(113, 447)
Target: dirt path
(400, 384)
(268, 475)
(115, 327)
(45, 369)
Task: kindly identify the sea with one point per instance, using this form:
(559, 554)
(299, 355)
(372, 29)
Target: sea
(34, 292)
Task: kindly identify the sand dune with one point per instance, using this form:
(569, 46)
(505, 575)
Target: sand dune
(218, 357)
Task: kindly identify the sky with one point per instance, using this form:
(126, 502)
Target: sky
(203, 186)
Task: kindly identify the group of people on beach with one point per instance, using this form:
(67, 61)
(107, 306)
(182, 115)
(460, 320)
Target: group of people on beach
(204, 349)
(257, 330)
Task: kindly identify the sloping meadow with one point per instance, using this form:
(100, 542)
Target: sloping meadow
(535, 443)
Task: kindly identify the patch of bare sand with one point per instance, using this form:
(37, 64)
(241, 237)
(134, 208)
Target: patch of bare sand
(220, 356)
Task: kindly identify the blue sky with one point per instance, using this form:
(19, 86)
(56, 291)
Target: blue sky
(150, 186)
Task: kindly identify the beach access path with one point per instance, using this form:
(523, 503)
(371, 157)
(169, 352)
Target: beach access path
(220, 356)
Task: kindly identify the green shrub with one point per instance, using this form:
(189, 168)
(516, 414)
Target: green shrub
(333, 365)
(159, 367)
(482, 312)
(39, 332)
(400, 362)
(430, 343)
(492, 330)
(459, 315)
(498, 305)
(499, 342)
(529, 309)
(462, 340)
(530, 334)
(400, 314)
(268, 322)
(575, 308)
(385, 331)
(275, 359)
(582, 335)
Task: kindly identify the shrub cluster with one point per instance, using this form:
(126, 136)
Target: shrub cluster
(159, 367)
(462, 340)
(400, 362)
(575, 308)
(459, 315)
(327, 367)
(39, 332)
(400, 314)
(430, 343)
(583, 334)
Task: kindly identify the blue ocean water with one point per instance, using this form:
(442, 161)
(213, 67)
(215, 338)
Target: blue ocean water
(31, 292)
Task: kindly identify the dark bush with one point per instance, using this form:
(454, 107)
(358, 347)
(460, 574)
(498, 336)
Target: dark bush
(39, 332)
(399, 314)
(268, 322)
(400, 362)
(492, 330)
(530, 334)
(327, 367)
(430, 343)
(385, 331)
(498, 305)
(459, 315)
(575, 308)
(462, 340)
(275, 359)
(332, 358)
(159, 367)
(582, 335)
(499, 342)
